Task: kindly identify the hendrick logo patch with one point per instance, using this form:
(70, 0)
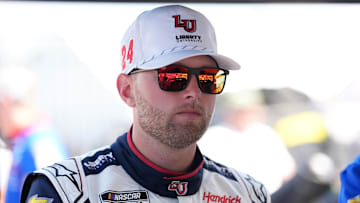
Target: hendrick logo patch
(208, 197)
(125, 196)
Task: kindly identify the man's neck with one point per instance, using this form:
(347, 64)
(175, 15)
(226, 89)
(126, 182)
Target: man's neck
(177, 160)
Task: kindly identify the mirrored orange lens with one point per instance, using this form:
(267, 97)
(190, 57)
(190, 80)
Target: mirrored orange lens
(173, 78)
(212, 81)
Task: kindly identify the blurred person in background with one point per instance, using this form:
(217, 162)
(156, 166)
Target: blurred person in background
(24, 129)
(302, 127)
(247, 142)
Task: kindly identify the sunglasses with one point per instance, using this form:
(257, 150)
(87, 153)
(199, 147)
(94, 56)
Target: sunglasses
(211, 80)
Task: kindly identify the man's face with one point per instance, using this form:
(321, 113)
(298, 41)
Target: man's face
(176, 119)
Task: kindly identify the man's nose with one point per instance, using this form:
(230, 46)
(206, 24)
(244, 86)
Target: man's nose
(193, 89)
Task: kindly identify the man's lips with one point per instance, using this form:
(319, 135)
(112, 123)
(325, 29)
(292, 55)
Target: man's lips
(189, 112)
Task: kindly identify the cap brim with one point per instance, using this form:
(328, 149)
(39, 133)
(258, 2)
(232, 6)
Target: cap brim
(164, 60)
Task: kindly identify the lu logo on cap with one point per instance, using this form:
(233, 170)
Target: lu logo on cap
(188, 25)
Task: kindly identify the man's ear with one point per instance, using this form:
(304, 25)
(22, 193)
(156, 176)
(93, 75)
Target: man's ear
(124, 85)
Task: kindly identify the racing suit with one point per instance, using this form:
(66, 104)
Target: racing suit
(120, 173)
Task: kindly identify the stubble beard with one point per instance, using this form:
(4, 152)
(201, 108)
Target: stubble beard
(164, 128)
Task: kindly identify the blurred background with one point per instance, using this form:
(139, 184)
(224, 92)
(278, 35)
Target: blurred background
(292, 110)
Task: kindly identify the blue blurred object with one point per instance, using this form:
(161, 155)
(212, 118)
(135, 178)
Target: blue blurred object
(350, 183)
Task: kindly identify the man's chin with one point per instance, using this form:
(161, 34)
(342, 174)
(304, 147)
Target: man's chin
(182, 135)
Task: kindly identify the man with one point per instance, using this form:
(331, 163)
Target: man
(350, 183)
(24, 130)
(171, 73)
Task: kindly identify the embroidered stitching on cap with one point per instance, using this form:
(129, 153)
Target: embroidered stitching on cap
(172, 50)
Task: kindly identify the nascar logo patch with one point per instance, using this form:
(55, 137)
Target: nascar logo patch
(125, 196)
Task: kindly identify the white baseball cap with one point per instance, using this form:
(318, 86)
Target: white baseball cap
(167, 34)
